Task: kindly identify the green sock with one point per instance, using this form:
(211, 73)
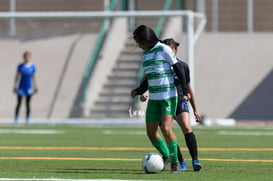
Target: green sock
(173, 151)
(161, 147)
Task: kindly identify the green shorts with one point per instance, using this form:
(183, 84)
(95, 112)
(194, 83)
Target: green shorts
(157, 108)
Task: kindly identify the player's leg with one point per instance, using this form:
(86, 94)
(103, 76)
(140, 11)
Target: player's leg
(155, 138)
(179, 154)
(17, 109)
(178, 118)
(168, 109)
(182, 161)
(28, 109)
(152, 121)
(183, 119)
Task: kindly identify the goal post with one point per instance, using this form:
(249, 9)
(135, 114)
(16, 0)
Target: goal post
(195, 23)
(192, 33)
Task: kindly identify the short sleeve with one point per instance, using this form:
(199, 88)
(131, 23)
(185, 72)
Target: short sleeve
(19, 68)
(169, 55)
(34, 69)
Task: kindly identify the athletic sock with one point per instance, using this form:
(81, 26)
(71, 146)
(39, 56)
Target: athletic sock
(161, 147)
(27, 120)
(192, 145)
(173, 151)
(179, 154)
(16, 119)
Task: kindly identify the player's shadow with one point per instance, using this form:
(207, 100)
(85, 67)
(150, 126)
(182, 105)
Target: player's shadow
(99, 170)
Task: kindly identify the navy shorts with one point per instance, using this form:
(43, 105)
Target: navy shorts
(182, 106)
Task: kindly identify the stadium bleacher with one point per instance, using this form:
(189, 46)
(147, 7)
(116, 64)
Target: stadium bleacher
(64, 46)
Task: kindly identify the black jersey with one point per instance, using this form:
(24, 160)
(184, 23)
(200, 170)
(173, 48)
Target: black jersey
(177, 83)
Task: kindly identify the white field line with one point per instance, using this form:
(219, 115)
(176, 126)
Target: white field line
(113, 132)
(246, 133)
(59, 179)
(30, 131)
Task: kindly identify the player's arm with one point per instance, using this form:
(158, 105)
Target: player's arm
(143, 87)
(177, 67)
(34, 80)
(193, 104)
(16, 81)
(180, 73)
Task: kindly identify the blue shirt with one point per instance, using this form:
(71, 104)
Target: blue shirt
(26, 73)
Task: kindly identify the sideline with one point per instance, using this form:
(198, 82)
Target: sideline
(30, 131)
(120, 159)
(124, 148)
(59, 179)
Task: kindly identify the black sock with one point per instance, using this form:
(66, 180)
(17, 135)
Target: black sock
(192, 145)
(179, 154)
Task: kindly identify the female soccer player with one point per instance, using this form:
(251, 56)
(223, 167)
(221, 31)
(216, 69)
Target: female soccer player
(182, 112)
(158, 61)
(25, 84)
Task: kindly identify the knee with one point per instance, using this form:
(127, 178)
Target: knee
(186, 130)
(167, 131)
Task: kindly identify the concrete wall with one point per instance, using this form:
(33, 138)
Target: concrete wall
(50, 55)
(233, 75)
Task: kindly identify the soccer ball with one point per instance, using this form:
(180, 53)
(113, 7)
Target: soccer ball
(152, 163)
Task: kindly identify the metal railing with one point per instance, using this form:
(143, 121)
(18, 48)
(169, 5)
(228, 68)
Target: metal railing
(95, 52)
(158, 29)
(191, 35)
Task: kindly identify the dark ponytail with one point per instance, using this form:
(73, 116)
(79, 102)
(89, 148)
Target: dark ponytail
(144, 34)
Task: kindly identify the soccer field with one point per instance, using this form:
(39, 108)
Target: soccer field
(88, 152)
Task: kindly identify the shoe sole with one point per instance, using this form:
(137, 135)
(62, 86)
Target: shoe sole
(197, 168)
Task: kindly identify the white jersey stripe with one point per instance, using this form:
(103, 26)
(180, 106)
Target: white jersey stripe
(161, 81)
(163, 95)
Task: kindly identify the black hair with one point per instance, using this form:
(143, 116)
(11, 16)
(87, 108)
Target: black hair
(145, 35)
(170, 41)
(25, 54)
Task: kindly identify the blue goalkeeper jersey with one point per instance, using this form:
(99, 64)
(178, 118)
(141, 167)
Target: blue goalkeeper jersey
(26, 73)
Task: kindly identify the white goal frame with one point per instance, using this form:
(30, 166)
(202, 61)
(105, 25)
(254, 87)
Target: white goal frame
(192, 33)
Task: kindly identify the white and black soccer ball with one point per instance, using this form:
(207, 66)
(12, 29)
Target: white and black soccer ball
(152, 163)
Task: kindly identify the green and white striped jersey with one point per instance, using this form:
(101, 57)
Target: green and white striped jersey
(157, 64)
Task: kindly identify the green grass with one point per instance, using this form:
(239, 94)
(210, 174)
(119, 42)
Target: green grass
(108, 137)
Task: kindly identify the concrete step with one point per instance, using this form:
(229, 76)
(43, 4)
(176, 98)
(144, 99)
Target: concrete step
(111, 107)
(125, 73)
(124, 83)
(116, 99)
(112, 114)
(132, 50)
(115, 93)
(130, 57)
(128, 65)
(131, 69)
(122, 78)
(117, 90)
(120, 86)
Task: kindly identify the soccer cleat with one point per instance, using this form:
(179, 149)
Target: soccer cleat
(16, 119)
(166, 161)
(183, 165)
(175, 168)
(196, 165)
(27, 121)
